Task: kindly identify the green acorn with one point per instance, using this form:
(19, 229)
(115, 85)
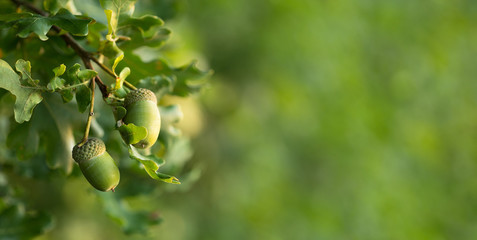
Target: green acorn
(97, 165)
(142, 111)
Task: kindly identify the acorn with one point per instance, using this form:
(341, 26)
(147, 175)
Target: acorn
(142, 111)
(97, 165)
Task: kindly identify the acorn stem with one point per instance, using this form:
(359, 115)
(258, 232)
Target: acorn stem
(90, 115)
(129, 85)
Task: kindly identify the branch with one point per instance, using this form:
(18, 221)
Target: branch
(85, 56)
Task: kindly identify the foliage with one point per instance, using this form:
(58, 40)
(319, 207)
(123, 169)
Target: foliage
(45, 91)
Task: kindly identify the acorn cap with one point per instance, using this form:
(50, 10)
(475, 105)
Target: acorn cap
(92, 148)
(140, 94)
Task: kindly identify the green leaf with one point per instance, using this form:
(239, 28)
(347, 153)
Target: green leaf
(143, 31)
(116, 61)
(16, 223)
(83, 97)
(24, 68)
(26, 98)
(113, 9)
(112, 25)
(132, 134)
(53, 6)
(58, 71)
(131, 221)
(24, 139)
(160, 84)
(53, 123)
(110, 49)
(183, 80)
(67, 95)
(75, 76)
(68, 22)
(40, 25)
(153, 39)
(86, 74)
(119, 6)
(151, 164)
(119, 113)
(122, 77)
(144, 23)
(56, 82)
(72, 74)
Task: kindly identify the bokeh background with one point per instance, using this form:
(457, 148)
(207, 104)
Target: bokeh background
(324, 119)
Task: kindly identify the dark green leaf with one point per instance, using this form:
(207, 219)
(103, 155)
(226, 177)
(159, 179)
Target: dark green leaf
(26, 98)
(131, 221)
(72, 74)
(132, 134)
(53, 122)
(33, 23)
(15, 223)
(24, 139)
(67, 95)
(83, 97)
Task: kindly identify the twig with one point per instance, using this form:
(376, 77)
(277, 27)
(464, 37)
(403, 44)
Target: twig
(90, 115)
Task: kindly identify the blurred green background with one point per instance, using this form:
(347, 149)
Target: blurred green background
(333, 120)
(325, 119)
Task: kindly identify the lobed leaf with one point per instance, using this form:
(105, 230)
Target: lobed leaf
(26, 98)
(52, 126)
(24, 68)
(40, 25)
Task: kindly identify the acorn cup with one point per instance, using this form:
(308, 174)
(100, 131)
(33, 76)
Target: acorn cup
(97, 165)
(142, 111)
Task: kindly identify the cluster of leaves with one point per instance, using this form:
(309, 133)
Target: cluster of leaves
(48, 91)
